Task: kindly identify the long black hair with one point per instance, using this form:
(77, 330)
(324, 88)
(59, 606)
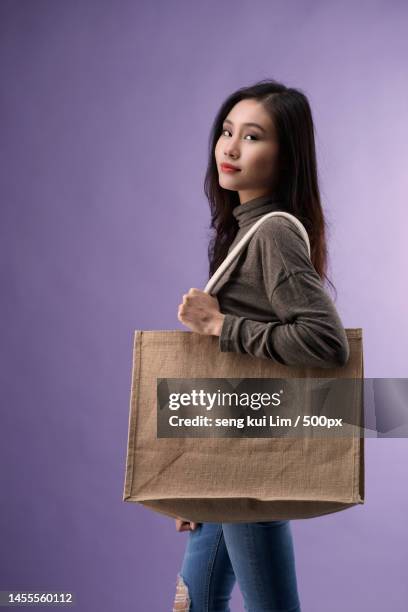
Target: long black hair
(296, 182)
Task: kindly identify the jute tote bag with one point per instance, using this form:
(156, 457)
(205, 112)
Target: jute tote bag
(232, 479)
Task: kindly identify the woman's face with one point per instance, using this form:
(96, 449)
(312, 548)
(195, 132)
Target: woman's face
(254, 150)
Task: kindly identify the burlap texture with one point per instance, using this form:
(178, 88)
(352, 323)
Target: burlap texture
(234, 479)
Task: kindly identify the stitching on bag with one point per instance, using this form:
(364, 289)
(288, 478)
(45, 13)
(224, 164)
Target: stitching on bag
(353, 484)
(354, 480)
(360, 397)
(137, 400)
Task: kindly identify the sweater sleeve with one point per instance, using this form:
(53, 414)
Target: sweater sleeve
(306, 330)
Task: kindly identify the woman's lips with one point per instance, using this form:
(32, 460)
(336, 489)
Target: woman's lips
(225, 168)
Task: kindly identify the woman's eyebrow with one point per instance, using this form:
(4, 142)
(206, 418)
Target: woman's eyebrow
(252, 124)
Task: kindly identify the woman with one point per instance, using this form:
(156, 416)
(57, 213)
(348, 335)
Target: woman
(273, 306)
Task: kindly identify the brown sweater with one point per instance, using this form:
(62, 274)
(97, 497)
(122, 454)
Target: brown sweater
(274, 302)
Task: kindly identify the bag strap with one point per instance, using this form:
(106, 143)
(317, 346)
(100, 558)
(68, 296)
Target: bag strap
(242, 243)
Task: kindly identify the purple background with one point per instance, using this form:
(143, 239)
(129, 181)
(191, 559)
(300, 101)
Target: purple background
(105, 114)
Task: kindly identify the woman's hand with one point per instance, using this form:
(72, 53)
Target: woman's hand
(200, 311)
(182, 525)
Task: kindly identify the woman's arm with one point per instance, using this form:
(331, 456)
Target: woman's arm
(309, 332)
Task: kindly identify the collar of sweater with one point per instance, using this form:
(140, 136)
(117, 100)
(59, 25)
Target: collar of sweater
(247, 213)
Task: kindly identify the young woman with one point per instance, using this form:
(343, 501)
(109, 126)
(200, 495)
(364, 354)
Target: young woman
(273, 306)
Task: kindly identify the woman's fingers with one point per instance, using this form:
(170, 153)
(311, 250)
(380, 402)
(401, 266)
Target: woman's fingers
(183, 525)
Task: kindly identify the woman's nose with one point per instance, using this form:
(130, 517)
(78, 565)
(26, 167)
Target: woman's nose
(232, 150)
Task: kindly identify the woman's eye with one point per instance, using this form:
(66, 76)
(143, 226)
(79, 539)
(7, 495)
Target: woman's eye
(251, 135)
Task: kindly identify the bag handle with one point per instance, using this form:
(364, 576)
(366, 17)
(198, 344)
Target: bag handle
(242, 243)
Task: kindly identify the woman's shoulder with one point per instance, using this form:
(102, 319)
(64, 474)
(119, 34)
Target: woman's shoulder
(279, 232)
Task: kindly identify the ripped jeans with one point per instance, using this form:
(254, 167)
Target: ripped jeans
(260, 556)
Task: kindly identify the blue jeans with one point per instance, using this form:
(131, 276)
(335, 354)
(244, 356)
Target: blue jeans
(260, 556)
